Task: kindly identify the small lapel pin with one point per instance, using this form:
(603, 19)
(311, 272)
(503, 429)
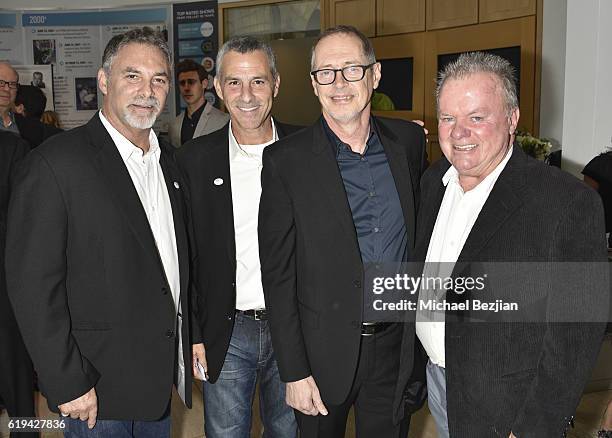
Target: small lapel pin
(218, 181)
(176, 185)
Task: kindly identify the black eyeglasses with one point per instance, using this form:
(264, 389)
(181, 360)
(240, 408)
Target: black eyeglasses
(13, 85)
(351, 73)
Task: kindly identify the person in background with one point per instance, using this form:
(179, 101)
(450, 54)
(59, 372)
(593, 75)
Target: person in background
(9, 84)
(200, 117)
(598, 174)
(16, 372)
(30, 104)
(51, 118)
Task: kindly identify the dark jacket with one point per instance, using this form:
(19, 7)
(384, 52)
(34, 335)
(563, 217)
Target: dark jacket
(203, 160)
(86, 280)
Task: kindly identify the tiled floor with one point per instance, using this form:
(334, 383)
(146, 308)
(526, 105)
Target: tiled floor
(189, 423)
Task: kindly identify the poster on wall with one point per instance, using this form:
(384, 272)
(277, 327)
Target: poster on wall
(196, 37)
(39, 76)
(10, 39)
(73, 43)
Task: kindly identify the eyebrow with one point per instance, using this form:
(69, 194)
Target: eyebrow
(136, 70)
(346, 64)
(250, 78)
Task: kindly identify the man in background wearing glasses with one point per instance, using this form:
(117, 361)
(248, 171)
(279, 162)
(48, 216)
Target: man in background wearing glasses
(337, 196)
(9, 82)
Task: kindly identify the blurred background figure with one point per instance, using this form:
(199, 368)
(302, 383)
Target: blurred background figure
(30, 104)
(51, 118)
(598, 174)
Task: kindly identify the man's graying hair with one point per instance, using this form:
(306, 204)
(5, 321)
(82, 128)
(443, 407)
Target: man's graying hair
(144, 35)
(366, 45)
(246, 44)
(480, 62)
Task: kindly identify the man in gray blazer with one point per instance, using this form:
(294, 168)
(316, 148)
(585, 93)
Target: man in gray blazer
(200, 117)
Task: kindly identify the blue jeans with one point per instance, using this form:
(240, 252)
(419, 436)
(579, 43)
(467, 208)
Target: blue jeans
(228, 402)
(119, 428)
(436, 397)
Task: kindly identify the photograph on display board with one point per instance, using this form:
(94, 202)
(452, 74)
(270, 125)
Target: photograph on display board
(86, 92)
(44, 52)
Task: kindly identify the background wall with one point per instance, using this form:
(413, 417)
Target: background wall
(70, 4)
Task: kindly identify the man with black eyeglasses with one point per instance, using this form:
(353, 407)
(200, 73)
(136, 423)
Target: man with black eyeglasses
(200, 117)
(336, 197)
(9, 82)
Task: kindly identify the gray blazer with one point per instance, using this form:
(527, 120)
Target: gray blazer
(210, 120)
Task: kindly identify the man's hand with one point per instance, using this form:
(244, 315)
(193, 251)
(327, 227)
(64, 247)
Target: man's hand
(304, 396)
(512, 435)
(84, 408)
(422, 125)
(199, 356)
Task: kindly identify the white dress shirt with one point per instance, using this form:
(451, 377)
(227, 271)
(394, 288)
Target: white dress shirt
(148, 179)
(245, 173)
(456, 217)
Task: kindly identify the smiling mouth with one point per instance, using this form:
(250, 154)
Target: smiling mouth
(341, 99)
(248, 109)
(464, 147)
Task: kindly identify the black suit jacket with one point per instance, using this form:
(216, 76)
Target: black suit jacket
(312, 270)
(203, 160)
(33, 130)
(85, 277)
(524, 377)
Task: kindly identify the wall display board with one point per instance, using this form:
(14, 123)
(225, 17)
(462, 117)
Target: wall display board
(72, 42)
(196, 37)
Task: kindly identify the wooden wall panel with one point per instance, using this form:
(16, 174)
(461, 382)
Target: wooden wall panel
(359, 13)
(493, 10)
(442, 14)
(399, 16)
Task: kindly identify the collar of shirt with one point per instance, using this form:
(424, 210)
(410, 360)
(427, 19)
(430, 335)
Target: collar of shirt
(338, 145)
(485, 186)
(195, 116)
(125, 147)
(255, 151)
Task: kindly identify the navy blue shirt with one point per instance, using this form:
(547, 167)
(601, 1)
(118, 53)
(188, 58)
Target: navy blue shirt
(373, 199)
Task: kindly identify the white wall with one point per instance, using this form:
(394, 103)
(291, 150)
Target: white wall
(587, 112)
(553, 70)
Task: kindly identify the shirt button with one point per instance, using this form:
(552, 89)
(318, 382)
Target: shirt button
(229, 317)
(376, 229)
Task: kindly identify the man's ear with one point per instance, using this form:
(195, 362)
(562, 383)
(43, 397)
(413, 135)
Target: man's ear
(277, 84)
(218, 87)
(103, 81)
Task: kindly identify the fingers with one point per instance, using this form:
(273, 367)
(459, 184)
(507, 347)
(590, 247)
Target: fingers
(93, 414)
(318, 403)
(84, 408)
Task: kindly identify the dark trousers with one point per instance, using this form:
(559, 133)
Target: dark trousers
(371, 394)
(16, 376)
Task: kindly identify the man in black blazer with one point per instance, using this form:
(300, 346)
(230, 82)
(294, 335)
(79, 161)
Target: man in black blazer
(521, 373)
(97, 256)
(16, 372)
(223, 171)
(337, 196)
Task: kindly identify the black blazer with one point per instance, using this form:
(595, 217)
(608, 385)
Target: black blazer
(203, 160)
(311, 264)
(86, 280)
(524, 377)
(34, 131)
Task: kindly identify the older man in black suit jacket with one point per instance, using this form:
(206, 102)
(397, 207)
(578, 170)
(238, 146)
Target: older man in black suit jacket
(519, 374)
(97, 256)
(337, 196)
